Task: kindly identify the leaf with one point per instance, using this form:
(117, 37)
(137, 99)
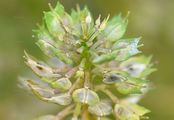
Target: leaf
(129, 111)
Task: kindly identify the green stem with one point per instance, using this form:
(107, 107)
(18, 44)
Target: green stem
(77, 110)
(85, 114)
(75, 85)
(68, 110)
(111, 96)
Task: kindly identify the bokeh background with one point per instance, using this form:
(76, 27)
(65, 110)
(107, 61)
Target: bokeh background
(151, 19)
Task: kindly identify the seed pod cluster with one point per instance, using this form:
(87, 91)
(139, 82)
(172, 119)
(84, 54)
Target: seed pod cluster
(94, 62)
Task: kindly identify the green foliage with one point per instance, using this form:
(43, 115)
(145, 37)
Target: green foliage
(92, 58)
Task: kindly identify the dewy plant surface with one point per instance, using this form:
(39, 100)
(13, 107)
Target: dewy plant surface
(95, 74)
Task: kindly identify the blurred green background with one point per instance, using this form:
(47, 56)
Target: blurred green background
(151, 19)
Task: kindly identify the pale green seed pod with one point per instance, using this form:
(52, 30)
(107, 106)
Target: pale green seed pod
(52, 51)
(102, 108)
(105, 57)
(138, 66)
(85, 96)
(114, 77)
(42, 92)
(116, 28)
(61, 99)
(126, 48)
(129, 111)
(62, 84)
(40, 68)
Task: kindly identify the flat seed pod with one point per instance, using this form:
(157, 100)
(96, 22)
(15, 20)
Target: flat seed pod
(62, 84)
(54, 25)
(61, 99)
(43, 34)
(48, 95)
(138, 66)
(53, 51)
(40, 68)
(129, 111)
(102, 108)
(40, 92)
(126, 48)
(85, 96)
(105, 57)
(114, 77)
(116, 28)
(135, 69)
(131, 86)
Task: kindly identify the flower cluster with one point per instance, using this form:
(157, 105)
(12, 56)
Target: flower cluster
(91, 66)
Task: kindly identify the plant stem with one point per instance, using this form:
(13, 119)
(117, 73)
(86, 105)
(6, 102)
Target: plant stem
(77, 110)
(85, 115)
(87, 80)
(75, 85)
(111, 96)
(68, 110)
